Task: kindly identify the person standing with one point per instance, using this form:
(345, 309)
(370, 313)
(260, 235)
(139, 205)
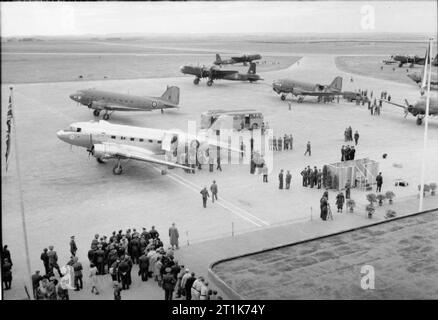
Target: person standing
(100, 260)
(53, 261)
(308, 149)
(73, 247)
(319, 178)
(143, 267)
(93, 279)
(291, 142)
(173, 235)
(205, 195)
(340, 199)
(219, 163)
(315, 175)
(77, 268)
(117, 290)
(312, 178)
(309, 175)
(36, 278)
(324, 206)
(188, 286)
(356, 137)
(280, 179)
(45, 258)
(279, 143)
(213, 189)
(168, 284)
(274, 144)
(343, 153)
(379, 180)
(6, 254)
(288, 179)
(347, 190)
(352, 153)
(304, 175)
(265, 173)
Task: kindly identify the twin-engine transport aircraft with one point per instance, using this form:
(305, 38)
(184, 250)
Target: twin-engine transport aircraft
(302, 89)
(110, 101)
(105, 141)
(411, 59)
(242, 59)
(418, 108)
(214, 73)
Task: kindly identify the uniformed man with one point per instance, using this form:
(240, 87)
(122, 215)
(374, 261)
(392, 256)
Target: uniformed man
(288, 179)
(73, 247)
(309, 175)
(356, 137)
(205, 195)
(274, 144)
(340, 199)
(53, 261)
(347, 153)
(213, 189)
(219, 163)
(286, 142)
(379, 181)
(323, 204)
(304, 175)
(312, 178)
(291, 142)
(315, 175)
(280, 179)
(319, 178)
(343, 153)
(347, 190)
(279, 143)
(352, 153)
(308, 149)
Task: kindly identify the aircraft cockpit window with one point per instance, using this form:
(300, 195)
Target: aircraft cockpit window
(141, 140)
(132, 139)
(159, 141)
(78, 129)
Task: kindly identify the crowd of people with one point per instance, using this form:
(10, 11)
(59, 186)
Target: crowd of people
(117, 255)
(281, 143)
(311, 177)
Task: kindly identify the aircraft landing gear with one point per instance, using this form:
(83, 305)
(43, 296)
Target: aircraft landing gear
(419, 121)
(300, 99)
(196, 81)
(283, 97)
(96, 113)
(106, 116)
(100, 160)
(209, 83)
(117, 170)
(163, 172)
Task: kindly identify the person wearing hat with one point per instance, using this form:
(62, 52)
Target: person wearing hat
(95, 242)
(196, 288)
(53, 260)
(93, 279)
(77, 268)
(143, 266)
(324, 206)
(185, 275)
(168, 284)
(117, 290)
(100, 259)
(173, 235)
(73, 247)
(340, 199)
(45, 258)
(36, 278)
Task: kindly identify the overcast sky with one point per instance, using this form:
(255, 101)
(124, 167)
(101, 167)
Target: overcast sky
(18, 18)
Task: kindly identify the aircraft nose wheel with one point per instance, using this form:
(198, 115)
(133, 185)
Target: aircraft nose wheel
(100, 160)
(419, 121)
(283, 97)
(106, 116)
(96, 113)
(209, 83)
(117, 170)
(196, 81)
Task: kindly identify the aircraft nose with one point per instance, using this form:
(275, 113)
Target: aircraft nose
(182, 68)
(62, 135)
(73, 96)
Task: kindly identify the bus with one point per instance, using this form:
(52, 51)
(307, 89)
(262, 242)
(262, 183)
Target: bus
(243, 119)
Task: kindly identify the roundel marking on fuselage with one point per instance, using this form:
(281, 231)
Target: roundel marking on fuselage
(154, 104)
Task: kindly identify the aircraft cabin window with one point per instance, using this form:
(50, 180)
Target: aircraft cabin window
(113, 137)
(150, 141)
(122, 138)
(78, 130)
(132, 139)
(159, 142)
(141, 140)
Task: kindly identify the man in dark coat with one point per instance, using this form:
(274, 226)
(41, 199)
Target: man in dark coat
(53, 261)
(205, 195)
(352, 153)
(36, 278)
(7, 273)
(312, 178)
(188, 286)
(135, 249)
(308, 149)
(324, 206)
(340, 199)
(379, 181)
(45, 258)
(6, 254)
(347, 190)
(143, 267)
(153, 233)
(280, 179)
(123, 270)
(356, 137)
(213, 189)
(304, 175)
(168, 284)
(73, 247)
(100, 260)
(315, 175)
(77, 267)
(343, 153)
(347, 153)
(319, 178)
(309, 175)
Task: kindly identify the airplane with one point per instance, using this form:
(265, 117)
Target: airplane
(417, 77)
(242, 59)
(302, 89)
(213, 73)
(110, 101)
(403, 59)
(418, 108)
(106, 141)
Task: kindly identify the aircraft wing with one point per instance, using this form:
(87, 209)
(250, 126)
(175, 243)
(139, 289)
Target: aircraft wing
(112, 150)
(102, 105)
(393, 103)
(222, 73)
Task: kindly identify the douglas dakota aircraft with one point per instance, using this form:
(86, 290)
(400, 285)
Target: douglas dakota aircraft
(214, 73)
(242, 59)
(110, 101)
(418, 108)
(302, 89)
(105, 141)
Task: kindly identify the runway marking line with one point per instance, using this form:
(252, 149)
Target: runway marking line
(222, 202)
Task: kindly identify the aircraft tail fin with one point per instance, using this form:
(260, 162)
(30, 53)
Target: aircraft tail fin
(252, 68)
(218, 58)
(171, 94)
(336, 84)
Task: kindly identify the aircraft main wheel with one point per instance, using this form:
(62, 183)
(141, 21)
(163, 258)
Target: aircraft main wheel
(100, 160)
(419, 121)
(117, 170)
(163, 172)
(96, 113)
(196, 81)
(283, 97)
(209, 83)
(106, 116)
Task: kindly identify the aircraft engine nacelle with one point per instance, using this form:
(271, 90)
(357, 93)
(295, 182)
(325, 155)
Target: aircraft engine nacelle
(104, 151)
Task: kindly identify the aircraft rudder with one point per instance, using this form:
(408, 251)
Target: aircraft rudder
(337, 83)
(171, 94)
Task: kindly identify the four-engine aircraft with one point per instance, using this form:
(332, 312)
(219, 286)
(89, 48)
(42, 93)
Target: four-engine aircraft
(417, 77)
(242, 59)
(213, 73)
(110, 141)
(110, 101)
(411, 59)
(302, 89)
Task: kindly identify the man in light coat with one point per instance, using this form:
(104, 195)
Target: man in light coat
(173, 235)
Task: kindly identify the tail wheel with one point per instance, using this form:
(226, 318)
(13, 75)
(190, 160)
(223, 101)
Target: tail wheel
(209, 83)
(96, 113)
(100, 160)
(283, 97)
(117, 170)
(196, 81)
(419, 121)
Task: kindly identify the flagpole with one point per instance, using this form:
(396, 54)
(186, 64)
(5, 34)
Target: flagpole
(426, 126)
(20, 193)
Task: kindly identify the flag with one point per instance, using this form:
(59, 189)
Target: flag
(426, 65)
(8, 130)
(67, 280)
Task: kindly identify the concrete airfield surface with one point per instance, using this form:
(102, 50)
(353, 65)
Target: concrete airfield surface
(66, 192)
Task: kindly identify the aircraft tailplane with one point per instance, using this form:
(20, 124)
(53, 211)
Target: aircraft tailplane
(218, 58)
(252, 68)
(171, 94)
(336, 84)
